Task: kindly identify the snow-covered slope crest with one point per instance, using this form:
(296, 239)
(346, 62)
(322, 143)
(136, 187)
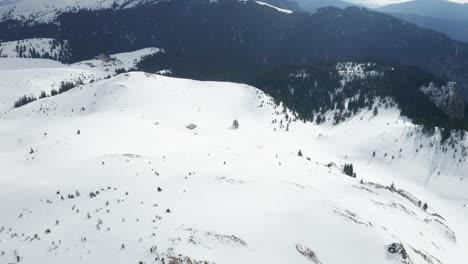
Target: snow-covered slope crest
(36, 48)
(135, 185)
(47, 10)
(286, 11)
(47, 75)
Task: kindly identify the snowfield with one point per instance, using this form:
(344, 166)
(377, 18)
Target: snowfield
(108, 172)
(48, 10)
(31, 76)
(39, 48)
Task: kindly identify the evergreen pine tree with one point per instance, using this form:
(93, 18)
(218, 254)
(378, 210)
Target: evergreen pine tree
(425, 207)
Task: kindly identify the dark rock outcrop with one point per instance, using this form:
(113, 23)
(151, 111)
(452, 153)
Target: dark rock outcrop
(399, 249)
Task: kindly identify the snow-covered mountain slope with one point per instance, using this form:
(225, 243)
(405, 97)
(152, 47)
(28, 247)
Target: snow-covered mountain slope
(47, 75)
(274, 7)
(35, 48)
(47, 10)
(108, 173)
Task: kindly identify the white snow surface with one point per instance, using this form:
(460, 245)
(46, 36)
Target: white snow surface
(274, 7)
(47, 10)
(31, 76)
(45, 47)
(214, 193)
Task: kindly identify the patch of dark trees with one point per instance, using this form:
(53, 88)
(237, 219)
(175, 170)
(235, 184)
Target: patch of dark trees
(64, 87)
(313, 90)
(232, 40)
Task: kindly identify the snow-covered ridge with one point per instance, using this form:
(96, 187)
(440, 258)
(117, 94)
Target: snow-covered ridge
(35, 48)
(126, 60)
(47, 10)
(47, 75)
(286, 11)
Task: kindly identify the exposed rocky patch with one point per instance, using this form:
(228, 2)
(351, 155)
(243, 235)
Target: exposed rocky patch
(444, 229)
(430, 259)
(229, 180)
(179, 259)
(348, 215)
(198, 237)
(399, 250)
(308, 253)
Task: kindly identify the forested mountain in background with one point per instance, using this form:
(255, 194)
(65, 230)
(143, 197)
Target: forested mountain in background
(443, 16)
(249, 39)
(441, 9)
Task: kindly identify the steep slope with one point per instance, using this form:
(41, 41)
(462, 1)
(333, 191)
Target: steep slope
(124, 181)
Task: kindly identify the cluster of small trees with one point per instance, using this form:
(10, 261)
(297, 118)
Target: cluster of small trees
(32, 53)
(349, 170)
(424, 206)
(64, 87)
(59, 46)
(67, 86)
(24, 100)
(20, 49)
(235, 124)
(445, 135)
(319, 120)
(420, 204)
(120, 71)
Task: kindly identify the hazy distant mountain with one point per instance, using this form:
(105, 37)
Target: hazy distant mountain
(453, 28)
(309, 5)
(440, 9)
(6, 2)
